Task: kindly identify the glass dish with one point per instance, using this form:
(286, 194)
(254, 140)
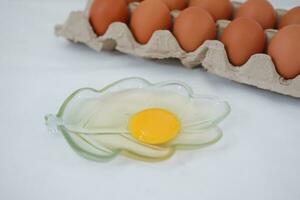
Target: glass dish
(95, 122)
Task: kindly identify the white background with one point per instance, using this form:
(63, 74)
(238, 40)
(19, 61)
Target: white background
(258, 158)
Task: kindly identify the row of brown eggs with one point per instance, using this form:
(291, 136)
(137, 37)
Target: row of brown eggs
(242, 38)
(218, 9)
(260, 10)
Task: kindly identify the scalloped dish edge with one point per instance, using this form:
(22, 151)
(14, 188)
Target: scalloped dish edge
(56, 124)
(259, 71)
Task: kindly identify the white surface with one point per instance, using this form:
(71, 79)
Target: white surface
(258, 158)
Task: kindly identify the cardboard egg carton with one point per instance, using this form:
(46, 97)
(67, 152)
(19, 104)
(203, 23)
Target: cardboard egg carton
(258, 71)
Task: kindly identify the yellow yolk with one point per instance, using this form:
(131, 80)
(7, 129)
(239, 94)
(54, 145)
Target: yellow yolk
(154, 126)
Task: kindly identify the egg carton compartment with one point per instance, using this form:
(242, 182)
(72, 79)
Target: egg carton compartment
(118, 36)
(259, 71)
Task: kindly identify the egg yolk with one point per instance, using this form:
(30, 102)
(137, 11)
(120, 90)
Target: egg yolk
(154, 126)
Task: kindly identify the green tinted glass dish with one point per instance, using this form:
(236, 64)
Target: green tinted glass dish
(95, 122)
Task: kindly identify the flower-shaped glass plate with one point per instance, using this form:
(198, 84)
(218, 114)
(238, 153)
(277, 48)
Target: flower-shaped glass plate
(95, 122)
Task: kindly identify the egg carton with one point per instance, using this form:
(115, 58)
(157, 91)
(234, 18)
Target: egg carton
(258, 71)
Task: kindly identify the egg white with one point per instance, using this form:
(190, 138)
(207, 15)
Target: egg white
(106, 119)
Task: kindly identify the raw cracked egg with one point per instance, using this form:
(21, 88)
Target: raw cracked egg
(284, 49)
(105, 12)
(138, 119)
(261, 11)
(242, 38)
(291, 17)
(148, 17)
(192, 27)
(219, 9)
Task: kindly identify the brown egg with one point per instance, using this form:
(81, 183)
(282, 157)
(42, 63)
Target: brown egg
(148, 17)
(175, 4)
(192, 27)
(105, 12)
(259, 10)
(129, 1)
(291, 17)
(242, 38)
(219, 9)
(284, 49)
